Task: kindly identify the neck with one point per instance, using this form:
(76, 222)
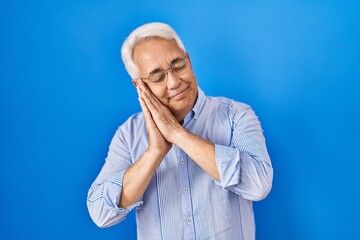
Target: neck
(180, 116)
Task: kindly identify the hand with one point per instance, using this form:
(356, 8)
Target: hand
(161, 115)
(157, 142)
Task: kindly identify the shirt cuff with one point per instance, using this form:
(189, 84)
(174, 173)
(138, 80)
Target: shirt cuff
(228, 164)
(112, 193)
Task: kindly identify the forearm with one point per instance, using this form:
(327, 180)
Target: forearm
(198, 149)
(138, 176)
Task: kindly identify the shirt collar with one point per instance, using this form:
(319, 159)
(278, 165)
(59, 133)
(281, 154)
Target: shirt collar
(200, 101)
(195, 111)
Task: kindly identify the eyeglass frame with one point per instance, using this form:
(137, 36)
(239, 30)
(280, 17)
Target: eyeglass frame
(171, 69)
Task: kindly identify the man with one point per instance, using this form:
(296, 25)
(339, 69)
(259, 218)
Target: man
(190, 165)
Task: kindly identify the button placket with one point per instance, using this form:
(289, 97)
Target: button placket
(184, 185)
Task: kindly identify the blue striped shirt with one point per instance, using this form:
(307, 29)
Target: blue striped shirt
(182, 201)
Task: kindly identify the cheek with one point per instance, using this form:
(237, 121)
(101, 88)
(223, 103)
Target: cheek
(158, 91)
(190, 78)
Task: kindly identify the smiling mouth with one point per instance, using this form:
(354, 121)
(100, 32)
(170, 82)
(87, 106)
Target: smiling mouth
(178, 92)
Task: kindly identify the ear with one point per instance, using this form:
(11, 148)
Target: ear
(187, 55)
(134, 81)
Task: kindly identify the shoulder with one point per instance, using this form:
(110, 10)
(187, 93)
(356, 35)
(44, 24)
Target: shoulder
(232, 104)
(133, 123)
(236, 111)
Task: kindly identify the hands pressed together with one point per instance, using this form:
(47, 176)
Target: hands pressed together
(164, 130)
(161, 125)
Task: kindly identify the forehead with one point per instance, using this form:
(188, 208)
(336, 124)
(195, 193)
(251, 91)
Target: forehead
(155, 52)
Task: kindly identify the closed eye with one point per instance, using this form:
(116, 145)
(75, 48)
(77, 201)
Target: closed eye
(179, 65)
(155, 71)
(157, 77)
(176, 60)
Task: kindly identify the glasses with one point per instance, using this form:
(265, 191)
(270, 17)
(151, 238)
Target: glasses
(179, 66)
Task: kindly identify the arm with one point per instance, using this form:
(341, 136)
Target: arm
(138, 176)
(121, 184)
(104, 193)
(197, 148)
(244, 167)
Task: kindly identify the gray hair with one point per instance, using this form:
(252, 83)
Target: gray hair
(140, 34)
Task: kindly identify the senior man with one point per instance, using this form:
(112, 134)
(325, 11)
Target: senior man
(190, 164)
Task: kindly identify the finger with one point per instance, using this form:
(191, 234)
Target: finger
(143, 105)
(139, 92)
(149, 121)
(142, 85)
(151, 101)
(145, 97)
(144, 108)
(135, 83)
(144, 89)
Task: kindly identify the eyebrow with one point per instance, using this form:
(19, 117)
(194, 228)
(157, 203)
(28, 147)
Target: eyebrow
(172, 62)
(156, 70)
(175, 60)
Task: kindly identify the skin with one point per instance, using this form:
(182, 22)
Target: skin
(164, 106)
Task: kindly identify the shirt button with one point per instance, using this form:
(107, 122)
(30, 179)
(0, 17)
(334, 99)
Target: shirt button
(185, 190)
(188, 220)
(182, 161)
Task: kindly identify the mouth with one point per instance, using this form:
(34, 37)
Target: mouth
(179, 94)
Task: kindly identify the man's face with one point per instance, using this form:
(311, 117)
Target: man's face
(178, 91)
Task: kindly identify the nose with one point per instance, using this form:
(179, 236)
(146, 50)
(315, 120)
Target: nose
(173, 81)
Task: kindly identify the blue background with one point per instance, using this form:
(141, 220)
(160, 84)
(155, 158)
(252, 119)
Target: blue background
(64, 91)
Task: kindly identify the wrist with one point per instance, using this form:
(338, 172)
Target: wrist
(156, 154)
(179, 136)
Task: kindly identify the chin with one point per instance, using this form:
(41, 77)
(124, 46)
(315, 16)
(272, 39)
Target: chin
(183, 105)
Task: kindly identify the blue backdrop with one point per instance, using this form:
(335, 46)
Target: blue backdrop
(64, 91)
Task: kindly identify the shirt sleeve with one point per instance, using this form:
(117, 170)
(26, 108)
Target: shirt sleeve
(104, 194)
(245, 166)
